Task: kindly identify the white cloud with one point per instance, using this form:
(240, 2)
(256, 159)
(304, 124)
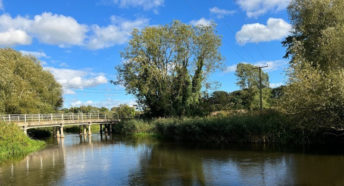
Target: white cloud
(76, 79)
(118, 32)
(34, 53)
(275, 29)
(220, 13)
(145, 4)
(48, 28)
(275, 85)
(108, 103)
(255, 8)
(58, 29)
(272, 65)
(13, 37)
(65, 31)
(201, 22)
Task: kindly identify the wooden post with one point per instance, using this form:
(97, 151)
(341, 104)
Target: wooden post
(89, 129)
(61, 132)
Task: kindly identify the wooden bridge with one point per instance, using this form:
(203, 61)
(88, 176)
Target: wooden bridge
(58, 121)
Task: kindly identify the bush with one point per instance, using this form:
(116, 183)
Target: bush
(14, 143)
(128, 127)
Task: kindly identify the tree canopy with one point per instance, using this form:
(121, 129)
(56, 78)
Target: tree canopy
(318, 34)
(25, 87)
(165, 67)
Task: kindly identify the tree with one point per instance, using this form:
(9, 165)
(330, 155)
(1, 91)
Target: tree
(25, 87)
(124, 111)
(166, 66)
(318, 34)
(314, 94)
(248, 79)
(219, 100)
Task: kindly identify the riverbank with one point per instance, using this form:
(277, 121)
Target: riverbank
(268, 127)
(15, 144)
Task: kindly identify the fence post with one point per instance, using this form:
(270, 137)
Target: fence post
(9, 118)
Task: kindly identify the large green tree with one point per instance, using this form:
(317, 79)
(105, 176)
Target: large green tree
(166, 66)
(315, 92)
(25, 87)
(249, 80)
(318, 33)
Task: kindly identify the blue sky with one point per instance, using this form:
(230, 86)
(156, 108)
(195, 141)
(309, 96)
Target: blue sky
(80, 41)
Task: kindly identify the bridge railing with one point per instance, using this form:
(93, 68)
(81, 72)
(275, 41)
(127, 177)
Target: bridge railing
(51, 117)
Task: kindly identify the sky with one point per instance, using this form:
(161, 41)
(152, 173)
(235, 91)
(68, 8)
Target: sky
(80, 41)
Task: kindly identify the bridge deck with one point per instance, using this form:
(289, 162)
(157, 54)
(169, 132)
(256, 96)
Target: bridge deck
(51, 120)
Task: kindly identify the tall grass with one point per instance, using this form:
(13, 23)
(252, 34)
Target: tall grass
(254, 127)
(14, 143)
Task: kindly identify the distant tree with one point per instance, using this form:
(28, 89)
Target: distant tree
(219, 100)
(25, 87)
(166, 66)
(123, 111)
(248, 80)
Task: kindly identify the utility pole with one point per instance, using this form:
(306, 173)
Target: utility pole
(260, 86)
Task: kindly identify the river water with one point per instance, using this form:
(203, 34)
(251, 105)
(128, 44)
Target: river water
(115, 161)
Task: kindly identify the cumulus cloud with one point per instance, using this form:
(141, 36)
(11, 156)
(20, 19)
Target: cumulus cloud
(48, 28)
(275, 29)
(275, 85)
(201, 22)
(65, 31)
(34, 53)
(254, 8)
(145, 4)
(271, 65)
(118, 32)
(13, 37)
(58, 29)
(220, 13)
(108, 103)
(76, 79)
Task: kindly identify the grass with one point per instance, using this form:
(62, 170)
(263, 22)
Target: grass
(14, 143)
(252, 127)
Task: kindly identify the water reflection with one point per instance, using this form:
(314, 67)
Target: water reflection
(108, 160)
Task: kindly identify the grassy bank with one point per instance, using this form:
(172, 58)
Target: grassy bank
(268, 127)
(14, 143)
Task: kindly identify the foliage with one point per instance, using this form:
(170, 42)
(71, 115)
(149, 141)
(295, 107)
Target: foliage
(249, 81)
(129, 127)
(166, 66)
(318, 33)
(123, 111)
(315, 94)
(85, 109)
(14, 143)
(314, 97)
(25, 87)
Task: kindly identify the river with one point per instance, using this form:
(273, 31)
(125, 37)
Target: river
(110, 160)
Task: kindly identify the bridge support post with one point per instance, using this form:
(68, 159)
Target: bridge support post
(100, 129)
(25, 130)
(85, 130)
(89, 129)
(61, 132)
(110, 128)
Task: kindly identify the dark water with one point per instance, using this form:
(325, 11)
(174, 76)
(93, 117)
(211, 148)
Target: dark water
(115, 161)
